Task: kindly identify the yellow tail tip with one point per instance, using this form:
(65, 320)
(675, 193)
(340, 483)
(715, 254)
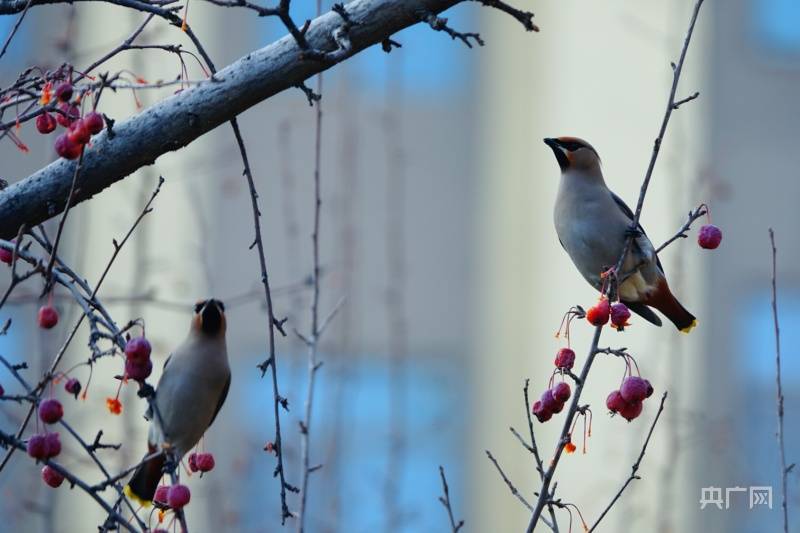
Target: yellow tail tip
(689, 328)
(128, 491)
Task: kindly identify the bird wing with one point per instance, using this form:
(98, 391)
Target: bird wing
(222, 397)
(629, 214)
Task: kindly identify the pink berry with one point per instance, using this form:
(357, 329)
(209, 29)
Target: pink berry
(78, 132)
(51, 411)
(193, 462)
(46, 123)
(73, 386)
(549, 402)
(52, 477)
(620, 315)
(565, 358)
(64, 92)
(614, 402)
(52, 445)
(634, 389)
(69, 114)
(48, 317)
(138, 371)
(649, 389)
(67, 148)
(161, 494)
(138, 349)
(37, 446)
(709, 237)
(205, 462)
(598, 315)
(631, 410)
(540, 412)
(562, 392)
(6, 256)
(94, 122)
(178, 496)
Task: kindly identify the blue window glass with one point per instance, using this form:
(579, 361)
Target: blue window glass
(777, 26)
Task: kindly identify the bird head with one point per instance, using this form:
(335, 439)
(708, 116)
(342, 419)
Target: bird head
(574, 154)
(209, 317)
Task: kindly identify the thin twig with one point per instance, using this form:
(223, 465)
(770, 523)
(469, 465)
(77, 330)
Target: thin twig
(454, 527)
(681, 234)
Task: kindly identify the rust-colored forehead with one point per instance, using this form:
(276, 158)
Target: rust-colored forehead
(568, 139)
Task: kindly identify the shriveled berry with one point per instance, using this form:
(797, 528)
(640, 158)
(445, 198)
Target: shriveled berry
(46, 123)
(205, 462)
(542, 414)
(94, 122)
(161, 494)
(599, 313)
(52, 445)
(67, 148)
(37, 446)
(64, 91)
(73, 386)
(562, 392)
(634, 389)
(631, 410)
(51, 411)
(565, 358)
(620, 315)
(138, 349)
(138, 371)
(69, 114)
(709, 237)
(78, 132)
(193, 462)
(614, 402)
(178, 496)
(48, 316)
(52, 477)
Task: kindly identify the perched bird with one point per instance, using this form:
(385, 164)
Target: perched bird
(188, 397)
(593, 224)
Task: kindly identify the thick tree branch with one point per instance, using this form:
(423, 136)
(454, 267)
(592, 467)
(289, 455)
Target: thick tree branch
(187, 115)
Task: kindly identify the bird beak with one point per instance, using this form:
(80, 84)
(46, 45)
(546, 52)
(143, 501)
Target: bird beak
(561, 156)
(552, 143)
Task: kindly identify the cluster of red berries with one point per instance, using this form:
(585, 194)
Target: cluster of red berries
(201, 462)
(69, 144)
(552, 401)
(600, 313)
(628, 400)
(172, 496)
(44, 445)
(138, 364)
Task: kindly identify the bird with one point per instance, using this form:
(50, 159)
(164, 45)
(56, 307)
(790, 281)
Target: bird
(188, 396)
(593, 225)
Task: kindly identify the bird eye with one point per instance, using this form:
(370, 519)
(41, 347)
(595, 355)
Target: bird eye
(571, 146)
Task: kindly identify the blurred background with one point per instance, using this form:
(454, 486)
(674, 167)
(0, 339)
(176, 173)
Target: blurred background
(436, 227)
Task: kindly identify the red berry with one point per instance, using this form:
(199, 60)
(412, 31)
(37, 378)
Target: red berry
(631, 410)
(548, 401)
(6, 256)
(37, 446)
(205, 462)
(161, 494)
(52, 477)
(565, 358)
(561, 392)
(94, 122)
(649, 389)
(46, 123)
(138, 350)
(138, 371)
(178, 496)
(67, 148)
(559, 406)
(614, 402)
(634, 389)
(48, 316)
(598, 315)
(51, 411)
(69, 114)
(73, 386)
(78, 132)
(64, 92)
(193, 462)
(620, 315)
(709, 237)
(540, 412)
(52, 445)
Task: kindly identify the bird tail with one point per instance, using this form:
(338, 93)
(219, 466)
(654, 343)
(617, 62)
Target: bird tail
(142, 486)
(663, 300)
